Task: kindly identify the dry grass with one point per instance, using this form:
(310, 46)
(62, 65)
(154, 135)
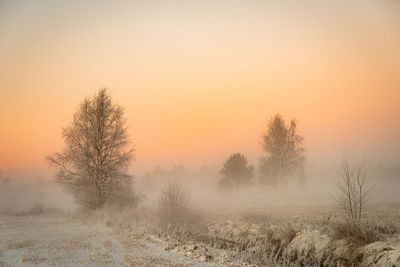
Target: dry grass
(365, 232)
(357, 235)
(255, 238)
(262, 239)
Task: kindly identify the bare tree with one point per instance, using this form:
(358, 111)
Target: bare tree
(93, 165)
(354, 192)
(236, 171)
(285, 156)
(174, 204)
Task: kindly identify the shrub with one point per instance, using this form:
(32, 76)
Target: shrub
(174, 205)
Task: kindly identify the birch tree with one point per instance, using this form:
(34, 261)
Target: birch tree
(284, 154)
(93, 165)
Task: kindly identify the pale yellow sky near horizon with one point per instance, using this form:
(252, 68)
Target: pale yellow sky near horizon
(199, 79)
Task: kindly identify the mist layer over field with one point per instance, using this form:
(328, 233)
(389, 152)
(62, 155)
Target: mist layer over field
(319, 188)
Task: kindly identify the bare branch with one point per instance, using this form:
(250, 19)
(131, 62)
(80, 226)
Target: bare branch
(354, 193)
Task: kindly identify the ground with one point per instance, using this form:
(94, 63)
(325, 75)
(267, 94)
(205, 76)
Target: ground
(291, 236)
(49, 240)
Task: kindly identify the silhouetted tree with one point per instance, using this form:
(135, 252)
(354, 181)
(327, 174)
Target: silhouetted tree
(284, 154)
(93, 165)
(235, 171)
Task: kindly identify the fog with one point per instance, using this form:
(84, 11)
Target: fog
(199, 81)
(19, 195)
(319, 187)
(131, 130)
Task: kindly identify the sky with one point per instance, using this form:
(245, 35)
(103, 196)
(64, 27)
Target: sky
(199, 80)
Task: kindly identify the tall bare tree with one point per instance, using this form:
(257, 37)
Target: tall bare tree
(93, 165)
(284, 154)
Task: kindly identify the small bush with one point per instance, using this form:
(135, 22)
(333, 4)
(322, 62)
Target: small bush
(174, 205)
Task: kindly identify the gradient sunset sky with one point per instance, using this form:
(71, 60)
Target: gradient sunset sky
(200, 79)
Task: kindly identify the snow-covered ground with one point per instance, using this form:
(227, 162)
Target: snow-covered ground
(50, 240)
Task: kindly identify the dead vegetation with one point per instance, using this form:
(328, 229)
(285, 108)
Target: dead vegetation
(355, 193)
(301, 236)
(361, 234)
(173, 206)
(308, 236)
(353, 198)
(277, 239)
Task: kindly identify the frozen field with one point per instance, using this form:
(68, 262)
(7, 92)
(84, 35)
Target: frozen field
(54, 240)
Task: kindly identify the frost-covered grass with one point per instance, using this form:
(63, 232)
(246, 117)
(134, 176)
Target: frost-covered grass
(275, 236)
(304, 236)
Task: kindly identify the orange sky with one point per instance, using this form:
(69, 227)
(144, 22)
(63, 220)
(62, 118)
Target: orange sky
(200, 79)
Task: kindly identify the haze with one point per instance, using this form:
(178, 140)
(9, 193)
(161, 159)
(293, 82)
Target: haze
(264, 133)
(199, 80)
